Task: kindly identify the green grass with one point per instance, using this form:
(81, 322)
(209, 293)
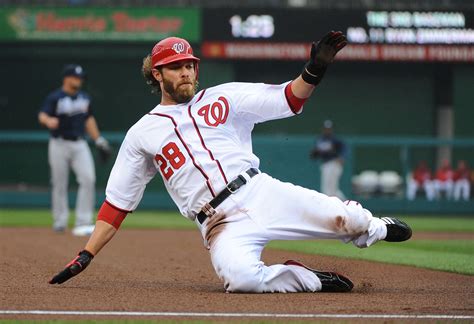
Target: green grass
(445, 223)
(173, 220)
(139, 219)
(446, 255)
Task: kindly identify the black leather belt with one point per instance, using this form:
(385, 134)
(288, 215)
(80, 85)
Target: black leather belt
(231, 187)
(68, 138)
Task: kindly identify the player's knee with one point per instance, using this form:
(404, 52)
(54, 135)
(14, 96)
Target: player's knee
(243, 278)
(59, 185)
(356, 220)
(87, 180)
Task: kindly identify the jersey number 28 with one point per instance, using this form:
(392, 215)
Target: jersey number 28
(172, 155)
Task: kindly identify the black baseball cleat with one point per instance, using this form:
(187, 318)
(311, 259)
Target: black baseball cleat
(397, 231)
(330, 281)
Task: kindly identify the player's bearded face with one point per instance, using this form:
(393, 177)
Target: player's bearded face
(179, 81)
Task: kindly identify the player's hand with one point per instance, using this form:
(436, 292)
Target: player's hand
(314, 154)
(104, 148)
(73, 268)
(52, 123)
(324, 51)
(322, 54)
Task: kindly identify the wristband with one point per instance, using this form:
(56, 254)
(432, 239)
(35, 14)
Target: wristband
(313, 74)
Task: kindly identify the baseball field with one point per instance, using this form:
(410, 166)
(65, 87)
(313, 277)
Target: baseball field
(157, 269)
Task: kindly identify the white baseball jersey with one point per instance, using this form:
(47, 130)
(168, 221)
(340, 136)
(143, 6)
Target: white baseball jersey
(197, 147)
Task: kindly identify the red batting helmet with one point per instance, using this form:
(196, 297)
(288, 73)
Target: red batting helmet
(172, 49)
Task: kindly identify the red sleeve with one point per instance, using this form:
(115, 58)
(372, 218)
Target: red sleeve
(111, 214)
(294, 102)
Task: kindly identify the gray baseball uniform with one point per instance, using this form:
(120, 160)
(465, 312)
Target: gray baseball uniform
(68, 149)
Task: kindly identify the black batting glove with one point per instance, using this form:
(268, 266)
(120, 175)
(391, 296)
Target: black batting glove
(322, 54)
(73, 268)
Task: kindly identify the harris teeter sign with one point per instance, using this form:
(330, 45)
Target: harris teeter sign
(90, 24)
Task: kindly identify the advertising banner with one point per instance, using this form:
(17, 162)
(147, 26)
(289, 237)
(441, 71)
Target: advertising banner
(352, 52)
(101, 24)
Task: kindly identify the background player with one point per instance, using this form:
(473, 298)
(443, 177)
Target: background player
(462, 184)
(443, 181)
(201, 145)
(421, 178)
(66, 112)
(330, 150)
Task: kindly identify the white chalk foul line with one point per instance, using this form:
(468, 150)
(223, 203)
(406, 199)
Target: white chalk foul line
(189, 314)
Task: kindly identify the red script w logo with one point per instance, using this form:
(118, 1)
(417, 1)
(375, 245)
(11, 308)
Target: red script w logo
(216, 113)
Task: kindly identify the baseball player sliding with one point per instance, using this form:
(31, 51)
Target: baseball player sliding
(200, 144)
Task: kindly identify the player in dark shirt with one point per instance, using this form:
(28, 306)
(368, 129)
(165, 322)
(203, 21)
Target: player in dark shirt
(66, 112)
(331, 151)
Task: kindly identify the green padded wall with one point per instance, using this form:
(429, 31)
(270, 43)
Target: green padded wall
(464, 109)
(362, 99)
(119, 93)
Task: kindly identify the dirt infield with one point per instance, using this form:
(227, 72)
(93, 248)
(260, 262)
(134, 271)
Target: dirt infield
(170, 271)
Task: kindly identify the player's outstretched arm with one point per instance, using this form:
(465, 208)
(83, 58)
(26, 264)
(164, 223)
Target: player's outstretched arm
(322, 54)
(108, 222)
(102, 234)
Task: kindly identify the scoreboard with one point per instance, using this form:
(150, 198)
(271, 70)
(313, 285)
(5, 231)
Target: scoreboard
(372, 35)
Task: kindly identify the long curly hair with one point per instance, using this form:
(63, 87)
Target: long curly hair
(147, 68)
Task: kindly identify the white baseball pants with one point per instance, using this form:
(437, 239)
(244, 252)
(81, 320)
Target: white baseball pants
(331, 172)
(462, 189)
(62, 155)
(267, 209)
(428, 187)
(446, 186)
